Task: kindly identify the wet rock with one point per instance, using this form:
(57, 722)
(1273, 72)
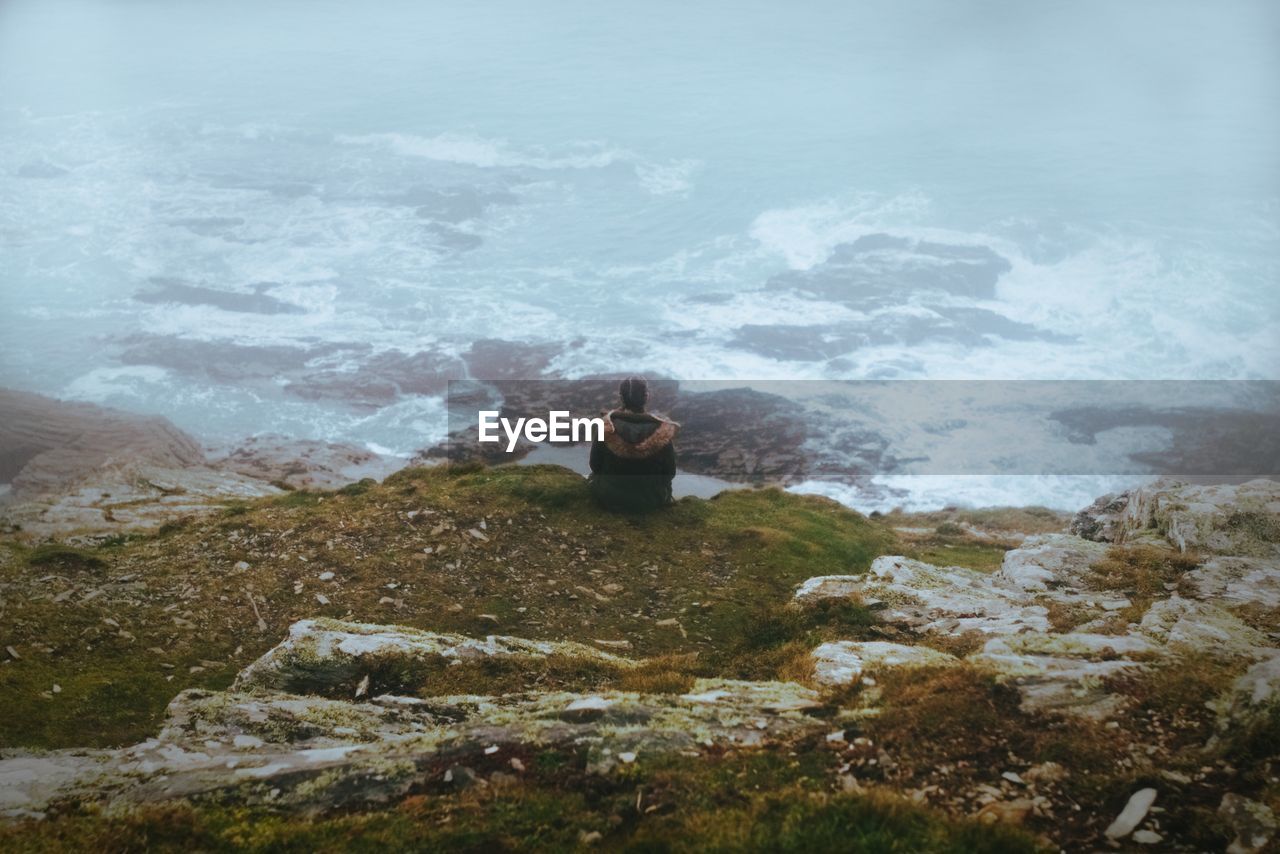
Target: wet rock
(41, 168)
(303, 463)
(496, 359)
(1254, 823)
(177, 292)
(381, 379)
(228, 362)
(843, 662)
(1206, 441)
(877, 269)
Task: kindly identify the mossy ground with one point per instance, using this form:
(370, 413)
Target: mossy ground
(764, 801)
(516, 550)
(697, 590)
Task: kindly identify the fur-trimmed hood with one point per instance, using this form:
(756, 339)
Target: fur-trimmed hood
(638, 435)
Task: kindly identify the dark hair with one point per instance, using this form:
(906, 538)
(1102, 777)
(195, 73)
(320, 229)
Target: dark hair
(634, 392)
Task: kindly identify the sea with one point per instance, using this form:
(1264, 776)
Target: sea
(207, 206)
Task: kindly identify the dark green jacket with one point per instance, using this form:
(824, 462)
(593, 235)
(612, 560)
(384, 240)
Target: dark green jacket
(632, 469)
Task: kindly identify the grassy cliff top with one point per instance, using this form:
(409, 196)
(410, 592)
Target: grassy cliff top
(105, 636)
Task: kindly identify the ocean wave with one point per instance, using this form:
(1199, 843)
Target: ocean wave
(923, 493)
(659, 178)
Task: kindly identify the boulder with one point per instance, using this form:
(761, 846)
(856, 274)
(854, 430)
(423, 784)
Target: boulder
(1064, 674)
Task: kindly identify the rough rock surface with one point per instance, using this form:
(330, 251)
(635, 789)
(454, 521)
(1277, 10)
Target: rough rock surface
(1050, 560)
(47, 446)
(1254, 823)
(1229, 519)
(843, 662)
(257, 745)
(303, 463)
(85, 470)
(1068, 672)
(331, 656)
(1254, 694)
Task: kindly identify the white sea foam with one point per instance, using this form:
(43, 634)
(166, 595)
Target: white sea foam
(102, 385)
(485, 153)
(922, 493)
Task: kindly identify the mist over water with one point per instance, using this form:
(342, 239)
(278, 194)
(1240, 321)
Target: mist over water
(204, 203)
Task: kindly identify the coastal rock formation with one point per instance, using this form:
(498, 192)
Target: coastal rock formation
(331, 657)
(1241, 520)
(47, 445)
(1207, 608)
(260, 745)
(302, 463)
(71, 468)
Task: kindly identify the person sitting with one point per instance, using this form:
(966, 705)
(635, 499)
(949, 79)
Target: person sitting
(632, 468)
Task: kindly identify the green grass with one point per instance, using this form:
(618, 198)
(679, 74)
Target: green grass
(766, 801)
(122, 629)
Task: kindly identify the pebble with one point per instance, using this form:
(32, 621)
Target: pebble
(1132, 815)
(325, 576)
(1147, 837)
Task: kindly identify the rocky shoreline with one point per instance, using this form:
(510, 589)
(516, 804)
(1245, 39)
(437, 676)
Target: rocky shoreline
(82, 470)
